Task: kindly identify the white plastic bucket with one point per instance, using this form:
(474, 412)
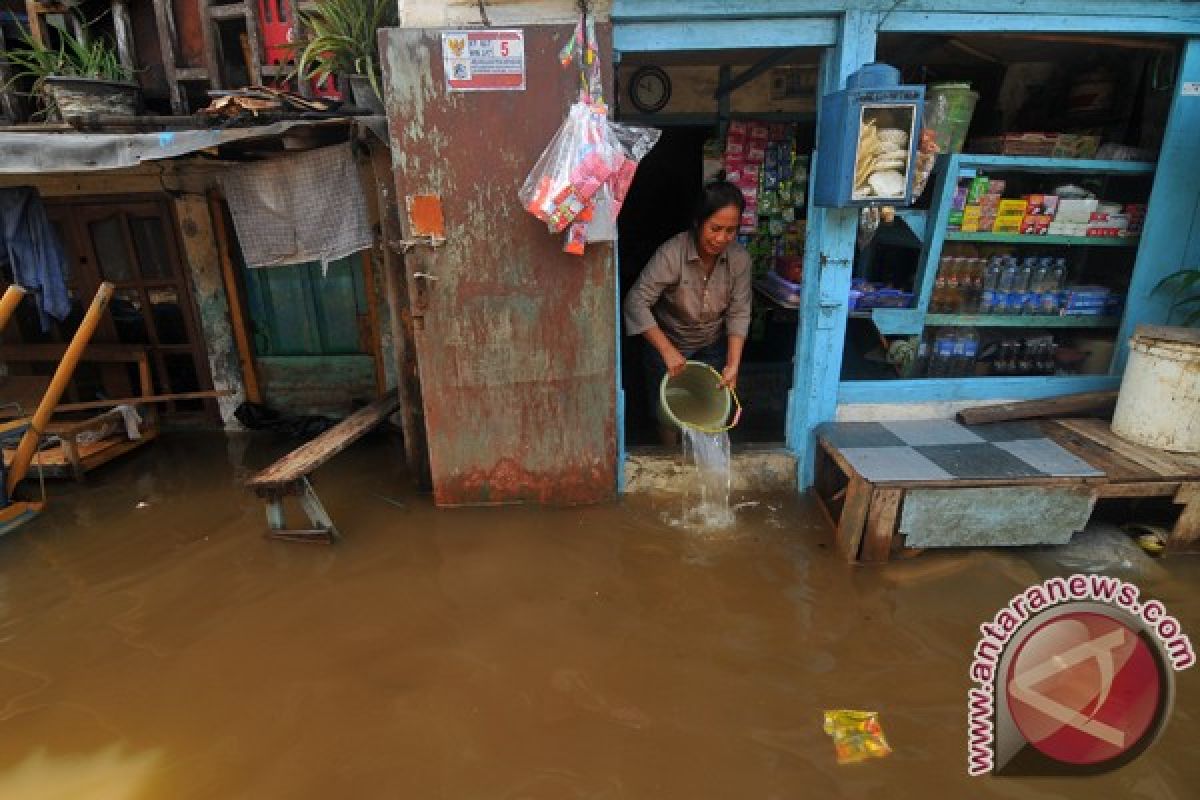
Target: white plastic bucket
(1159, 402)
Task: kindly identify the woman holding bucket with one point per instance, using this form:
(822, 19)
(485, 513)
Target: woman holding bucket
(692, 300)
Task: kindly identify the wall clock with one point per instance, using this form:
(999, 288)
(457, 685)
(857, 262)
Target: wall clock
(649, 89)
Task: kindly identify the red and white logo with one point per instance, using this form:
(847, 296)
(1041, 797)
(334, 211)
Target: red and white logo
(1084, 688)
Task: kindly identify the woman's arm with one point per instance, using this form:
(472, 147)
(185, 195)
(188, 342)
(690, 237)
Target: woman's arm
(657, 275)
(737, 323)
(733, 361)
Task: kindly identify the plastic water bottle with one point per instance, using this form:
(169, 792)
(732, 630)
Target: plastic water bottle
(942, 359)
(1022, 288)
(1040, 288)
(1057, 281)
(966, 349)
(1007, 288)
(991, 280)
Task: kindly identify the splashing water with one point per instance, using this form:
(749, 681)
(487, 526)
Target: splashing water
(706, 500)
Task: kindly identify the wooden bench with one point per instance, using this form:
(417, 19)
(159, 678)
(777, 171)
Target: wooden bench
(865, 515)
(289, 475)
(84, 444)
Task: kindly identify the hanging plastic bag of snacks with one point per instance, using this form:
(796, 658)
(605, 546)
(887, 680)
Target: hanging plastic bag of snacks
(581, 179)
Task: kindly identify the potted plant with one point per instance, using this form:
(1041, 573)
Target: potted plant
(1159, 401)
(341, 39)
(77, 77)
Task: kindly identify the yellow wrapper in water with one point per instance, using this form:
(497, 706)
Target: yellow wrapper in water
(857, 735)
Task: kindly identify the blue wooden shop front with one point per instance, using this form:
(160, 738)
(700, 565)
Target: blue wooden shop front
(848, 32)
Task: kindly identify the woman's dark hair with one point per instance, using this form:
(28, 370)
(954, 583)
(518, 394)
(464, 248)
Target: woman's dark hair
(715, 195)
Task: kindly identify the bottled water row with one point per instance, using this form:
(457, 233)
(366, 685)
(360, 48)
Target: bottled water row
(999, 285)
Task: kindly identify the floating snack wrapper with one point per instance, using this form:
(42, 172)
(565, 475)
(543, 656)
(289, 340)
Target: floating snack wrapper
(857, 735)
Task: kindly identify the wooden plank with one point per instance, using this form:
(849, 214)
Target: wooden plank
(54, 352)
(207, 29)
(254, 62)
(372, 299)
(1160, 462)
(854, 517)
(65, 408)
(408, 383)
(164, 18)
(1142, 489)
(237, 309)
(307, 457)
(227, 11)
(57, 461)
(881, 524)
(1115, 467)
(1098, 402)
(1187, 493)
(1185, 535)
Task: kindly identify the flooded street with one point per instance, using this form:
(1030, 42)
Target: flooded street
(171, 651)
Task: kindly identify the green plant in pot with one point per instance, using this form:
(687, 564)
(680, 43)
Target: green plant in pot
(1184, 285)
(341, 39)
(77, 77)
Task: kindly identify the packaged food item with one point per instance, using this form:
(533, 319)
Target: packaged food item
(857, 735)
(587, 154)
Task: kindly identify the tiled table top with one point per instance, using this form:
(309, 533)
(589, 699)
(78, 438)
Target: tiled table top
(939, 450)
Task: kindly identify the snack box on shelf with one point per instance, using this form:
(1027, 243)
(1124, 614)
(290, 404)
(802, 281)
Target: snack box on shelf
(1060, 145)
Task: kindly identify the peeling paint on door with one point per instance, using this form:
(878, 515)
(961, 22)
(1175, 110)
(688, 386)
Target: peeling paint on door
(515, 342)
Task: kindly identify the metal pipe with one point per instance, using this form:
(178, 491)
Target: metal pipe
(58, 384)
(8, 304)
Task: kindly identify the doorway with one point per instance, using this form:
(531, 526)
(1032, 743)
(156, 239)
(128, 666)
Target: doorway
(715, 100)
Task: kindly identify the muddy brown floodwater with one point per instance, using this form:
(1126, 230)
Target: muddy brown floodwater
(170, 651)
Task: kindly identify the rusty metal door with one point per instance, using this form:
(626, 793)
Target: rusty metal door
(515, 339)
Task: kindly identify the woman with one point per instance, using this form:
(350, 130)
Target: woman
(692, 300)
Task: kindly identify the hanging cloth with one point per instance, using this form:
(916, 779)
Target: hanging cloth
(30, 245)
(299, 208)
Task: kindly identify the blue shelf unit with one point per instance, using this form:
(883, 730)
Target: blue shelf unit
(934, 235)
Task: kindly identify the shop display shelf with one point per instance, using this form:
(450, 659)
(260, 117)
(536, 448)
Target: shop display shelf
(1017, 238)
(1021, 321)
(1058, 166)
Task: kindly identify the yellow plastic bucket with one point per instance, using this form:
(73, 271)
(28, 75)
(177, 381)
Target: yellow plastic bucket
(696, 399)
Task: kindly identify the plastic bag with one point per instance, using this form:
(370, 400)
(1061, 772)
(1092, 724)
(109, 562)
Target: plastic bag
(581, 179)
(857, 735)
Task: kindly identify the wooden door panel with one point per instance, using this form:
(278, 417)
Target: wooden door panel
(515, 339)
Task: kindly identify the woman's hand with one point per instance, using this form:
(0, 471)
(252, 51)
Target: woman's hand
(729, 376)
(675, 362)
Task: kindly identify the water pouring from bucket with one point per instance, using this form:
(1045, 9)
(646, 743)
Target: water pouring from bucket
(699, 404)
(695, 399)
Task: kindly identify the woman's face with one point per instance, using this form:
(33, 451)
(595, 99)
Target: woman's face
(718, 231)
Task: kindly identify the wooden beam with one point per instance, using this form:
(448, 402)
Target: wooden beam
(233, 291)
(123, 26)
(375, 345)
(854, 517)
(168, 38)
(1185, 536)
(408, 382)
(729, 84)
(881, 524)
(1091, 402)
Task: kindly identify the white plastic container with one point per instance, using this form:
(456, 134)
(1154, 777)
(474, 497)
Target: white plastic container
(1159, 402)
